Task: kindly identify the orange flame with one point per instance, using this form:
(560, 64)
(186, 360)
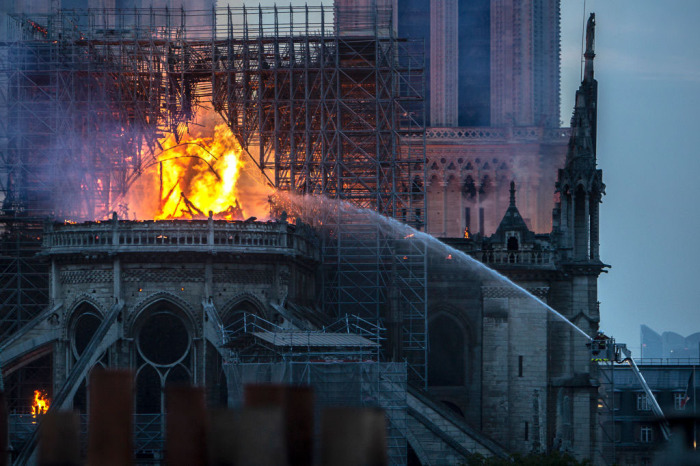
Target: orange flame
(200, 173)
(466, 232)
(41, 403)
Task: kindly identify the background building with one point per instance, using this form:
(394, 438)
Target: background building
(669, 344)
(638, 438)
(492, 93)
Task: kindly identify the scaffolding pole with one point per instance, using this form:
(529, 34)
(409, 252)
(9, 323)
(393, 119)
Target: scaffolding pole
(326, 102)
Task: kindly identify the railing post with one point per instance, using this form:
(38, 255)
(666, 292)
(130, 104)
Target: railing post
(115, 229)
(210, 229)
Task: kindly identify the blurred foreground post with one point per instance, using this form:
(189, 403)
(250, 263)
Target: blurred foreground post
(59, 439)
(297, 403)
(110, 437)
(247, 437)
(186, 429)
(4, 430)
(353, 437)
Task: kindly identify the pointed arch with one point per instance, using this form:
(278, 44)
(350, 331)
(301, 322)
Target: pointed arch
(179, 306)
(450, 340)
(247, 302)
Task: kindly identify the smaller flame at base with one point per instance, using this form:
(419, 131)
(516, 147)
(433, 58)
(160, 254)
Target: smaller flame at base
(41, 403)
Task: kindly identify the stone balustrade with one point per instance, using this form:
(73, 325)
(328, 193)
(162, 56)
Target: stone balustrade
(214, 236)
(489, 134)
(529, 258)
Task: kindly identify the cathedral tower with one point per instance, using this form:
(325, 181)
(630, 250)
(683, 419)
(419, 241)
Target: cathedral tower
(575, 237)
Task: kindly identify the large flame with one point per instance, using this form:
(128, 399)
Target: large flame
(41, 403)
(202, 172)
(198, 175)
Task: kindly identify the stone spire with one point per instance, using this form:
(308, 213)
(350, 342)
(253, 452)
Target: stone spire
(580, 182)
(582, 144)
(512, 220)
(589, 55)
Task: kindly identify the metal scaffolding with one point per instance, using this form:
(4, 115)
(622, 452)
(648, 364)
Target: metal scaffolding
(340, 361)
(324, 101)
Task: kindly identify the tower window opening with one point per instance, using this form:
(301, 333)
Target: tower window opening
(513, 244)
(520, 366)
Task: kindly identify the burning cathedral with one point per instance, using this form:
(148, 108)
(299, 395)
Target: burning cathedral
(230, 195)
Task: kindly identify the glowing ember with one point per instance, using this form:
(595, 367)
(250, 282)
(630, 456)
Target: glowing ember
(41, 403)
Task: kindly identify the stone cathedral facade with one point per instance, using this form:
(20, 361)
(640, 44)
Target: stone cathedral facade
(516, 370)
(505, 185)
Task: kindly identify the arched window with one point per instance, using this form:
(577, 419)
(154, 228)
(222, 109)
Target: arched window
(581, 220)
(84, 323)
(446, 358)
(469, 188)
(86, 319)
(163, 353)
(241, 313)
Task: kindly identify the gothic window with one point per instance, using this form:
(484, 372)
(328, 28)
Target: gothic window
(148, 390)
(469, 188)
(580, 223)
(216, 383)
(485, 187)
(416, 185)
(85, 323)
(447, 356)
(164, 355)
(242, 315)
(469, 166)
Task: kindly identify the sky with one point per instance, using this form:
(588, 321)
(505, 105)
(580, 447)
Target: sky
(648, 70)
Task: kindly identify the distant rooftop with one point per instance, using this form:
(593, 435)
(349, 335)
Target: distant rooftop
(669, 344)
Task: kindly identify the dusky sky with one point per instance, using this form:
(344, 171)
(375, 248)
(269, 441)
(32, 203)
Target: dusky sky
(648, 70)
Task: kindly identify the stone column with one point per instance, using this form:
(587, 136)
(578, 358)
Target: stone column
(55, 283)
(495, 354)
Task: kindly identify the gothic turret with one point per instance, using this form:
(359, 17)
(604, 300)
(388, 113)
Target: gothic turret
(513, 230)
(580, 183)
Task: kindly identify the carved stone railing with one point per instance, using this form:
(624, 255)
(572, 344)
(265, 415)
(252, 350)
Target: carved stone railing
(480, 135)
(529, 258)
(212, 236)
